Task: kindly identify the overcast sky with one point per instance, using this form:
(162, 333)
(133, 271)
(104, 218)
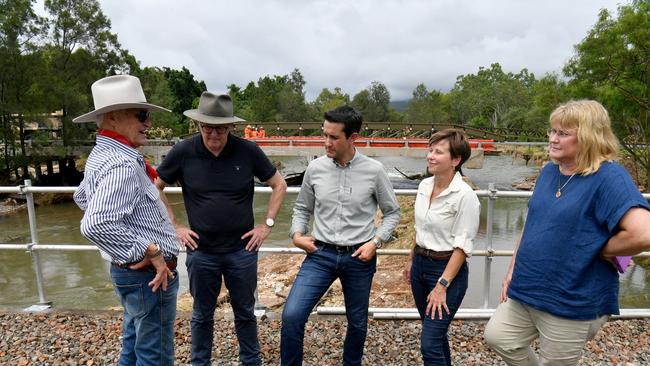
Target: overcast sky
(350, 43)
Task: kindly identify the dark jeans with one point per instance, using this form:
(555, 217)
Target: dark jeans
(239, 271)
(318, 271)
(425, 273)
(148, 326)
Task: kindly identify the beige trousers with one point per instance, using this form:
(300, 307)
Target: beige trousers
(514, 326)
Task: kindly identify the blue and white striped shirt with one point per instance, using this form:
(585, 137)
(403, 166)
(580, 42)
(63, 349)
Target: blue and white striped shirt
(123, 212)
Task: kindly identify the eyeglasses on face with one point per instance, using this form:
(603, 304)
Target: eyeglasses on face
(559, 133)
(142, 116)
(220, 129)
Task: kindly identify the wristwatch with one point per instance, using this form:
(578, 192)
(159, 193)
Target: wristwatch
(378, 243)
(443, 282)
(270, 222)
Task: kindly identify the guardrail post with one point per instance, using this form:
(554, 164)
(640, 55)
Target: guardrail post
(488, 258)
(259, 308)
(36, 260)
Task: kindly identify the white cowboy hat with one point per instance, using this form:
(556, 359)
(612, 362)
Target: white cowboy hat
(214, 110)
(117, 92)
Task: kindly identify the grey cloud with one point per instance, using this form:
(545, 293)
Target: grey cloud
(350, 44)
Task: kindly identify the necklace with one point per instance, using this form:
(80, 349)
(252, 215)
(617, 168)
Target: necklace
(559, 189)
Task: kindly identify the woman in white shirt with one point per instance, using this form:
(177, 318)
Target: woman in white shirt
(447, 215)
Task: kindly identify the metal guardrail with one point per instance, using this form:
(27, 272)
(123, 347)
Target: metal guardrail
(380, 313)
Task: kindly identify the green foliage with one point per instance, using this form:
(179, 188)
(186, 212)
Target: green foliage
(156, 88)
(183, 87)
(548, 93)
(80, 50)
(425, 106)
(611, 65)
(328, 100)
(21, 63)
(490, 94)
(372, 102)
(280, 98)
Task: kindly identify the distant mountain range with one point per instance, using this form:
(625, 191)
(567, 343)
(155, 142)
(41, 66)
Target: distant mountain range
(399, 105)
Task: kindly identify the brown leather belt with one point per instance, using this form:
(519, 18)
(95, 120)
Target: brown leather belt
(171, 264)
(444, 255)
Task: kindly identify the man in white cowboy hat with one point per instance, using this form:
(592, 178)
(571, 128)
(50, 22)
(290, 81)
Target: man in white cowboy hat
(125, 218)
(216, 170)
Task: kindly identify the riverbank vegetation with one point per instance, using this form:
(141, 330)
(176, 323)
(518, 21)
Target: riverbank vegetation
(48, 63)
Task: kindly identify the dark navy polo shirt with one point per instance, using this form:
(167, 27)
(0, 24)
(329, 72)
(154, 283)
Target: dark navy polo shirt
(218, 190)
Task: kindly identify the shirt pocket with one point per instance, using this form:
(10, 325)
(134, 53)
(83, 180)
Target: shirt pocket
(446, 209)
(345, 193)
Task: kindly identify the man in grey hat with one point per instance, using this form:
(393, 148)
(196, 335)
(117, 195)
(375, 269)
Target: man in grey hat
(125, 218)
(216, 170)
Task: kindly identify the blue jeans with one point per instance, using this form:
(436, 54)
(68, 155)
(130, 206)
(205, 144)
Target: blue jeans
(148, 327)
(239, 271)
(318, 271)
(425, 273)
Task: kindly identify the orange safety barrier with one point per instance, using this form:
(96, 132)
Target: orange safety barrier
(400, 143)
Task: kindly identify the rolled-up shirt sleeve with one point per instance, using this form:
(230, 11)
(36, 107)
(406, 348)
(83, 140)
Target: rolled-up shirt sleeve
(389, 206)
(117, 192)
(466, 223)
(304, 206)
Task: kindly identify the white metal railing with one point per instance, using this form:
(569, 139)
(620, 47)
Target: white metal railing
(381, 313)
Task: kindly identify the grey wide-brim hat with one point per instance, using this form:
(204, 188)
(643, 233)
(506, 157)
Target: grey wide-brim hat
(214, 110)
(117, 92)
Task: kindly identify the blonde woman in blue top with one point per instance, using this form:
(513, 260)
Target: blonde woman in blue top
(447, 215)
(560, 286)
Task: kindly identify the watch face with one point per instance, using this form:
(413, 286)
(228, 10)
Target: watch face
(270, 222)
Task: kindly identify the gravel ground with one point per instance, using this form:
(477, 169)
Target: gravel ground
(92, 338)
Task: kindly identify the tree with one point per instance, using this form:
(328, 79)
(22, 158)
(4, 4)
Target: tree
(291, 99)
(21, 62)
(425, 106)
(328, 100)
(489, 95)
(548, 93)
(373, 102)
(184, 90)
(82, 49)
(158, 91)
(280, 98)
(418, 110)
(612, 65)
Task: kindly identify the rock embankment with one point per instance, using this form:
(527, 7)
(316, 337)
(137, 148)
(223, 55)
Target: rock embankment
(93, 338)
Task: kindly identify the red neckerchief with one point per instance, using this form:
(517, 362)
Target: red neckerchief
(151, 172)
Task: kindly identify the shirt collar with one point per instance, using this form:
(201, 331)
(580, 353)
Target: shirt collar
(108, 142)
(454, 186)
(200, 146)
(352, 161)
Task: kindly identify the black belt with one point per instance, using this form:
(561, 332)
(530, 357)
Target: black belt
(171, 264)
(443, 255)
(340, 248)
